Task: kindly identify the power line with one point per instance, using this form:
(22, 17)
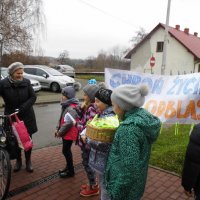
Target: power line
(106, 13)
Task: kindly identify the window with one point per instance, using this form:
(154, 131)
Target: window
(159, 47)
(198, 68)
(40, 72)
(30, 71)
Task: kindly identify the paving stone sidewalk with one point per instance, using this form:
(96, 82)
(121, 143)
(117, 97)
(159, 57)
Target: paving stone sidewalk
(45, 184)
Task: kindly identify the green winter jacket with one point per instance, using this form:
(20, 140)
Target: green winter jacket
(127, 164)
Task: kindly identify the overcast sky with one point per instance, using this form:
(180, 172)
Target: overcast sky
(85, 27)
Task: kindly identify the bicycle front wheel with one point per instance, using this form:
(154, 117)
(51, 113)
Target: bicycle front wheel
(5, 173)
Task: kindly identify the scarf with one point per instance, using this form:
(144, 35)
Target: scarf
(14, 82)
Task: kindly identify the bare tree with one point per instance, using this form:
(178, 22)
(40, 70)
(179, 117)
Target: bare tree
(111, 59)
(21, 21)
(63, 57)
(139, 35)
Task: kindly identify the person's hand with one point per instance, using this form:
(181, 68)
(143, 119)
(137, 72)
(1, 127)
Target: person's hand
(188, 193)
(83, 105)
(83, 138)
(57, 134)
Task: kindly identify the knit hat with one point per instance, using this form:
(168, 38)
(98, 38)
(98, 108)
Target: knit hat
(14, 66)
(104, 95)
(129, 96)
(90, 91)
(102, 84)
(92, 81)
(68, 92)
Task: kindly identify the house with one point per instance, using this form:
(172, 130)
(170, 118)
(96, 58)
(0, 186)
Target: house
(182, 57)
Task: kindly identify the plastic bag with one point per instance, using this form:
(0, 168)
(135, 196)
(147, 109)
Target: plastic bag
(21, 133)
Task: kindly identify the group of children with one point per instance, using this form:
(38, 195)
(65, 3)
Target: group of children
(117, 169)
(121, 166)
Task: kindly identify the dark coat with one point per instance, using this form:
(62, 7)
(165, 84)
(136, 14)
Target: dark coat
(22, 97)
(191, 168)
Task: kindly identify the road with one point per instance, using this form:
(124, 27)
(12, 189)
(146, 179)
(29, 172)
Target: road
(47, 116)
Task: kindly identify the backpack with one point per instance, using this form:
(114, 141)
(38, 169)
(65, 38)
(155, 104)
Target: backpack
(78, 121)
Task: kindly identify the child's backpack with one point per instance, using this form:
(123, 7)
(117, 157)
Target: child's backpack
(78, 120)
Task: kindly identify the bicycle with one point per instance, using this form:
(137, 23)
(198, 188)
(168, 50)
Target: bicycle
(6, 136)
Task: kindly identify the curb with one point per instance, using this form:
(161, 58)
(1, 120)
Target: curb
(43, 102)
(164, 170)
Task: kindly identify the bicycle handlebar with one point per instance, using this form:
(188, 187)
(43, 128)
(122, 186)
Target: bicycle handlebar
(10, 115)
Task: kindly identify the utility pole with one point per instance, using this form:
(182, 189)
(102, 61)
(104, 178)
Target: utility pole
(1, 49)
(165, 40)
(1, 53)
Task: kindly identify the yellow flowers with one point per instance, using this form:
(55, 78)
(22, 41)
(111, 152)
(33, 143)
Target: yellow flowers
(107, 122)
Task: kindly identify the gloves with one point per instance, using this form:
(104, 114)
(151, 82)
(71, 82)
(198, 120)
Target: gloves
(188, 193)
(57, 134)
(21, 109)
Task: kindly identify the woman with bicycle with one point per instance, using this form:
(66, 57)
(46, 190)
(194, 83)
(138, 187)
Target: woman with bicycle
(18, 93)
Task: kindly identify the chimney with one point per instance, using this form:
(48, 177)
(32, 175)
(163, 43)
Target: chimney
(177, 27)
(186, 30)
(195, 34)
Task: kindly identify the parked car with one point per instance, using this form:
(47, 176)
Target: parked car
(49, 78)
(35, 84)
(65, 69)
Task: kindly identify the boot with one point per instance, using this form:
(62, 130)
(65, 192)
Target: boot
(29, 167)
(67, 174)
(62, 170)
(18, 164)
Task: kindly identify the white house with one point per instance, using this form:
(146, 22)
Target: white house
(183, 52)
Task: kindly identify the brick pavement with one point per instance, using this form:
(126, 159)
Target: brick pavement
(45, 184)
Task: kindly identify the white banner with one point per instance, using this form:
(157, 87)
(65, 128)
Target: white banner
(171, 98)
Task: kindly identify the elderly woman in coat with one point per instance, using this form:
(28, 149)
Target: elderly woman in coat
(18, 93)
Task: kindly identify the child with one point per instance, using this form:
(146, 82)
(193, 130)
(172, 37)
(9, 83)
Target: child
(89, 110)
(191, 168)
(67, 129)
(127, 164)
(99, 150)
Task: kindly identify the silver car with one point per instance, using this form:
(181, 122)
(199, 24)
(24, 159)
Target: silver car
(35, 84)
(65, 69)
(49, 78)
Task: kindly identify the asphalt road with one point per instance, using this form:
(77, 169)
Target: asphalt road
(47, 116)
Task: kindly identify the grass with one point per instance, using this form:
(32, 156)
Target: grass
(88, 77)
(168, 151)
